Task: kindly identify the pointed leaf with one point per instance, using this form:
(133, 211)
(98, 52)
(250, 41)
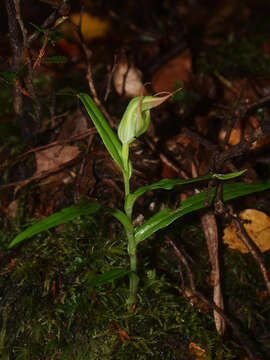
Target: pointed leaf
(108, 136)
(229, 175)
(58, 218)
(167, 216)
(169, 184)
(108, 277)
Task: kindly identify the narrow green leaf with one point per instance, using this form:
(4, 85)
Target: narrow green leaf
(122, 218)
(228, 176)
(108, 277)
(167, 216)
(56, 59)
(108, 136)
(169, 184)
(58, 218)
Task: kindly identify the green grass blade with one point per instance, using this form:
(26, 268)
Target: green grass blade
(108, 277)
(58, 218)
(193, 203)
(108, 136)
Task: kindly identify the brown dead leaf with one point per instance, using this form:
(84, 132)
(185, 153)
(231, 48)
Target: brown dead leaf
(53, 157)
(177, 69)
(73, 125)
(127, 79)
(258, 229)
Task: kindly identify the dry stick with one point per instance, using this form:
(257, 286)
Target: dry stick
(183, 260)
(20, 21)
(92, 88)
(47, 23)
(253, 248)
(200, 139)
(15, 37)
(109, 78)
(237, 150)
(240, 335)
(233, 117)
(89, 75)
(219, 160)
(210, 230)
(165, 159)
(29, 79)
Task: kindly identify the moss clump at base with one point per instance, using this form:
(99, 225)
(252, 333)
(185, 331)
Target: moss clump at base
(49, 311)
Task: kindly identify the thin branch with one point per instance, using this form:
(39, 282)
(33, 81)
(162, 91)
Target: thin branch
(165, 160)
(29, 78)
(236, 150)
(89, 75)
(16, 44)
(20, 21)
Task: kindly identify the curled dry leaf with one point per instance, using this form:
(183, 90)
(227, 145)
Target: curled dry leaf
(127, 79)
(258, 228)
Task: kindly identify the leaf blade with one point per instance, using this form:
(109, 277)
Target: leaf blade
(108, 136)
(57, 218)
(168, 184)
(167, 216)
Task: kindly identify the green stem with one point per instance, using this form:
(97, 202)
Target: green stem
(125, 156)
(133, 277)
(132, 247)
(126, 182)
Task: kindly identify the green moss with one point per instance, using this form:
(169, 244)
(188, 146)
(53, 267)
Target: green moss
(52, 312)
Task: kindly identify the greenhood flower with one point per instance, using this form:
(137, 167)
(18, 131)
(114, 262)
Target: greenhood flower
(136, 118)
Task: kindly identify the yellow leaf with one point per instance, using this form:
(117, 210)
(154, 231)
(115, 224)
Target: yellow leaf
(258, 229)
(92, 27)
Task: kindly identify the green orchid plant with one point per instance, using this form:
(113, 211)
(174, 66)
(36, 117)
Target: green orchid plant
(134, 123)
